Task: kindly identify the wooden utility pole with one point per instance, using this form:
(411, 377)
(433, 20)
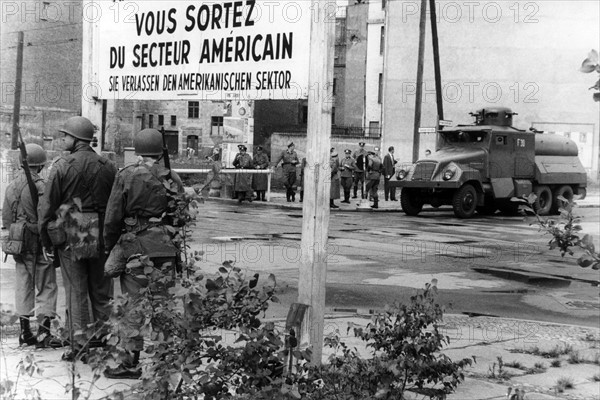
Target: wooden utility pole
(315, 211)
(419, 94)
(91, 105)
(17, 101)
(436, 63)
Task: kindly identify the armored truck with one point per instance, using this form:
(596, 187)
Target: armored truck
(480, 167)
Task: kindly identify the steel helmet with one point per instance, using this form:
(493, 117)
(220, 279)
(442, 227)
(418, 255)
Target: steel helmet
(148, 142)
(80, 128)
(36, 155)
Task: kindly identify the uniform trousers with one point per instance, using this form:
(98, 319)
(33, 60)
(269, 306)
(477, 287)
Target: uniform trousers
(84, 280)
(45, 286)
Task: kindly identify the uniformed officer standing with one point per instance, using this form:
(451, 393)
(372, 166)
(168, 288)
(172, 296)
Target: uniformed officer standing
(139, 194)
(347, 168)
(334, 165)
(32, 270)
(85, 175)
(243, 181)
(259, 181)
(289, 160)
(374, 171)
(359, 174)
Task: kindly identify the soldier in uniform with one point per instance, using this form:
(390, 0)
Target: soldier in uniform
(85, 175)
(133, 225)
(334, 165)
(289, 160)
(259, 181)
(243, 181)
(32, 270)
(359, 174)
(302, 170)
(347, 168)
(374, 171)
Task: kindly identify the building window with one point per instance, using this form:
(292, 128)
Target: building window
(150, 121)
(193, 109)
(304, 117)
(173, 120)
(161, 120)
(383, 4)
(334, 86)
(373, 128)
(382, 40)
(332, 115)
(216, 126)
(380, 89)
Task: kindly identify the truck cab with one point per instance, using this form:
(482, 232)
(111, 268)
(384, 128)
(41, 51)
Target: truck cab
(483, 165)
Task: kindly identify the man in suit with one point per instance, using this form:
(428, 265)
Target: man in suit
(388, 172)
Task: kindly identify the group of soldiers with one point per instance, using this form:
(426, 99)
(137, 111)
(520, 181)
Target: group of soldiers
(358, 168)
(125, 208)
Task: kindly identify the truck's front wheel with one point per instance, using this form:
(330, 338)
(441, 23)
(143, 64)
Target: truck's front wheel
(411, 204)
(464, 201)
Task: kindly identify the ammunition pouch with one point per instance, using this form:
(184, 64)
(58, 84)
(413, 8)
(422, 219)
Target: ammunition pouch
(57, 234)
(15, 243)
(84, 240)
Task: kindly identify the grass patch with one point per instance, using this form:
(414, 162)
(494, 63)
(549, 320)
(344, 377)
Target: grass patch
(564, 383)
(554, 352)
(538, 368)
(516, 365)
(555, 363)
(575, 358)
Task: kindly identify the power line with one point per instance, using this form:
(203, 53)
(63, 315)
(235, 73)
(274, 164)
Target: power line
(46, 27)
(56, 42)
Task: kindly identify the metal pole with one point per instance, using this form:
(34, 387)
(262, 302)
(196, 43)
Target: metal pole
(17, 102)
(436, 63)
(419, 96)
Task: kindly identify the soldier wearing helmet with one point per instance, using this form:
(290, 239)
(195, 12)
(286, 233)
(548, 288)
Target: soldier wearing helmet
(134, 224)
(32, 270)
(374, 171)
(86, 176)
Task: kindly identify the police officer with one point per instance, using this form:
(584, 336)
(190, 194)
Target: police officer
(85, 175)
(138, 199)
(334, 190)
(359, 174)
(347, 168)
(243, 181)
(259, 181)
(32, 270)
(374, 171)
(289, 160)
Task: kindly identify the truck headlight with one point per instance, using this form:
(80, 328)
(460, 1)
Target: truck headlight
(448, 174)
(401, 174)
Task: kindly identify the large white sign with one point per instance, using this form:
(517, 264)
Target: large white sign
(207, 50)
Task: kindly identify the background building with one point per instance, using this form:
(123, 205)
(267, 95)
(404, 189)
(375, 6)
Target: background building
(522, 55)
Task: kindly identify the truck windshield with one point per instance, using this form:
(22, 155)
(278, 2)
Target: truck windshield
(464, 137)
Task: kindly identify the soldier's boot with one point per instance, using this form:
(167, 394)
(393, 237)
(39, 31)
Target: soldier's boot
(288, 195)
(346, 197)
(45, 338)
(26, 337)
(355, 192)
(127, 370)
(262, 195)
(257, 195)
(301, 196)
(332, 204)
(293, 195)
(375, 203)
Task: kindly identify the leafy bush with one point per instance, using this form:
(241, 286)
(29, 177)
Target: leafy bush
(565, 232)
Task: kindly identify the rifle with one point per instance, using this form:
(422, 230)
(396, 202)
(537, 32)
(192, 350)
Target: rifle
(32, 188)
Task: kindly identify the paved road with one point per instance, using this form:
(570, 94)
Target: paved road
(498, 266)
